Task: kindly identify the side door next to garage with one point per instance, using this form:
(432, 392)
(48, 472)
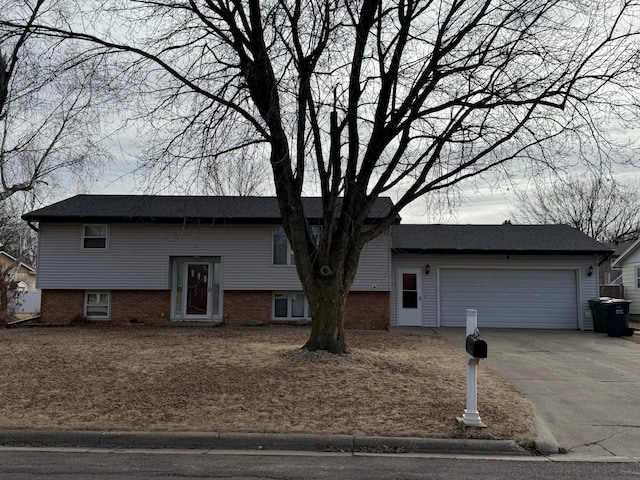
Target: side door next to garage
(409, 297)
(509, 298)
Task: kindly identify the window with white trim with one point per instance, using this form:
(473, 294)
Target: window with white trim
(95, 236)
(282, 251)
(638, 278)
(290, 306)
(97, 305)
(282, 254)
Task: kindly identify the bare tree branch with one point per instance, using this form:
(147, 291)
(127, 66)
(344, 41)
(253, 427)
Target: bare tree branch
(598, 205)
(360, 99)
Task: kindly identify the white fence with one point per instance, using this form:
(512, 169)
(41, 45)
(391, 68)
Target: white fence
(29, 302)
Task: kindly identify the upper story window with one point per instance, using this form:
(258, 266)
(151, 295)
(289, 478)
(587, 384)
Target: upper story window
(282, 252)
(638, 278)
(95, 236)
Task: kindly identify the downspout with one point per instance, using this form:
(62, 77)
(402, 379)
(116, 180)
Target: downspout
(604, 259)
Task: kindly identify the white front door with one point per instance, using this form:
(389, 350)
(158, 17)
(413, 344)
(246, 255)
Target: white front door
(409, 297)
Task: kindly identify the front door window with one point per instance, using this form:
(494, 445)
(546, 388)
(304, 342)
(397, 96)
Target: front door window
(197, 289)
(409, 290)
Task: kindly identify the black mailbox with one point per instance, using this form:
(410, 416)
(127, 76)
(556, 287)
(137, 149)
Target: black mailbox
(476, 347)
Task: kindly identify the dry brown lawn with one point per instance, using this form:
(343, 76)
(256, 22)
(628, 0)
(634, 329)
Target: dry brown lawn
(246, 380)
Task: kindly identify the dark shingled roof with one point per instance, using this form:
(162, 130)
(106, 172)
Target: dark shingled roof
(507, 238)
(157, 208)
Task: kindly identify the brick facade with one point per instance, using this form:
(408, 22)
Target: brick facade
(246, 306)
(367, 310)
(146, 306)
(63, 307)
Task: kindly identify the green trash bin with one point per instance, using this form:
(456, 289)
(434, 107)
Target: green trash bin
(599, 313)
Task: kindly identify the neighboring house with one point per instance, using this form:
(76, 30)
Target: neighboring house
(27, 303)
(610, 276)
(19, 272)
(175, 259)
(629, 262)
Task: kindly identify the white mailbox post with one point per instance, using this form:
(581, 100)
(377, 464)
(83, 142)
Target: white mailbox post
(471, 417)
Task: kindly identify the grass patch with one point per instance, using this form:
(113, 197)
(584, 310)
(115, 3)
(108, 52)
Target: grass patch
(246, 380)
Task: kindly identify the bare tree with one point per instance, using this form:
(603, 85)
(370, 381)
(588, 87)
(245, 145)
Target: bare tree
(18, 241)
(48, 106)
(235, 178)
(360, 99)
(600, 206)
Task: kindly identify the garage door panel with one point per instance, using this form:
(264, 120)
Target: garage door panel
(509, 298)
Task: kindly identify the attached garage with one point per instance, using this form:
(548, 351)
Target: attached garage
(509, 298)
(516, 276)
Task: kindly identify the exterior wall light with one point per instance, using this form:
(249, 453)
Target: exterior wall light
(590, 271)
(427, 269)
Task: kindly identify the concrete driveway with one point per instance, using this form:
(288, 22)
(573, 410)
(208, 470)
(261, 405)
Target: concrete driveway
(584, 386)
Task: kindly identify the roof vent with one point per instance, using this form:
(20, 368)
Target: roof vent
(507, 222)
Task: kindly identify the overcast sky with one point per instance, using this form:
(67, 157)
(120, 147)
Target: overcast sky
(485, 203)
(485, 206)
(482, 205)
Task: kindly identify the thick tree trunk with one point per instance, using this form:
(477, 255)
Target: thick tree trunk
(327, 287)
(4, 301)
(327, 304)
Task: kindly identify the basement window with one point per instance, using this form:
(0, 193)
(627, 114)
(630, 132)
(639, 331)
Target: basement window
(290, 306)
(97, 305)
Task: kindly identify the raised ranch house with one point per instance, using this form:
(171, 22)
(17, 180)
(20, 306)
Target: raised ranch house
(162, 259)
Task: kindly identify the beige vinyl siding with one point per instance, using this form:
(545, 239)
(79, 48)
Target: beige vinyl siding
(138, 257)
(587, 287)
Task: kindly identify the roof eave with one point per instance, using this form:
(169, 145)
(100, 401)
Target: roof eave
(450, 251)
(181, 220)
(138, 219)
(632, 248)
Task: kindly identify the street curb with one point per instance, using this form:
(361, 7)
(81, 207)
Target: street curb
(278, 441)
(255, 441)
(172, 440)
(438, 445)
(545, 442)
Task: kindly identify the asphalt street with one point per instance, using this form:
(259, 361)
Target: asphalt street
(40, 464)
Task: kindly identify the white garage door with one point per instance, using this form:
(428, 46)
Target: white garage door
(509, 298)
